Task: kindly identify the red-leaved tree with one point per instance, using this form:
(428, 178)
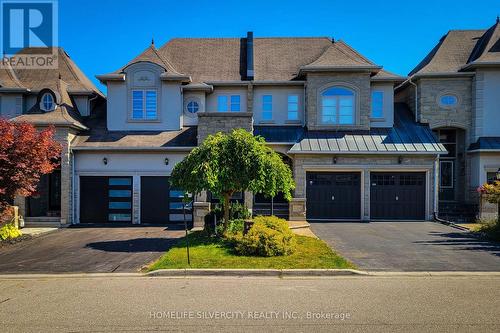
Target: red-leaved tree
(25, 155)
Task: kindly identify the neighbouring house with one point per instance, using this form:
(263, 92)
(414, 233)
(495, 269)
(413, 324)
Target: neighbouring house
(64, 98)
(455, 91)
(355, 153)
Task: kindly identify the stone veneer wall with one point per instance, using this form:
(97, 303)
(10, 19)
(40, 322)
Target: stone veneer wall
(213, 122)
(461, 117)
(316, 82)
(64, 136)
(359, 163)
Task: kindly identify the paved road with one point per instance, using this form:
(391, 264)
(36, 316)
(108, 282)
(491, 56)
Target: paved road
(409, 246)
(353, 304)
(75, 250)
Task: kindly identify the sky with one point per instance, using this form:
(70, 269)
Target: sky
(103, 35)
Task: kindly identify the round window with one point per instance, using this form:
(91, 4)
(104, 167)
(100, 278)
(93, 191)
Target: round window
(47, 102)
(193, 107)
(448, 100)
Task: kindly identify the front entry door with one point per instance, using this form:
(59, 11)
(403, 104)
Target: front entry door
(333, 195)
(155, 199)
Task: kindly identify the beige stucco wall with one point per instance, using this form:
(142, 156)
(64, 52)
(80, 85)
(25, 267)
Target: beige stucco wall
(364, 164)
(317, 82)
(211, 102)
(487, 115)
(8, 105)
(119, 101)
(388, 105)
(280, 104)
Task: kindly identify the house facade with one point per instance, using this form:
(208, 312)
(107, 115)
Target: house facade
(455, 91)
(355, 153)
(61, 97)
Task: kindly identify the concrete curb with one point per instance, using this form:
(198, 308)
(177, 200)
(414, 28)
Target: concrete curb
(255, 272)
(279, 273)
(433, 274)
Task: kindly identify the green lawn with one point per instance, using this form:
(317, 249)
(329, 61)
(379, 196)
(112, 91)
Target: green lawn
(208, 252)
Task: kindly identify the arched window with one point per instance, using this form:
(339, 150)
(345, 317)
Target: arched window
(47, 102)
(338, 106)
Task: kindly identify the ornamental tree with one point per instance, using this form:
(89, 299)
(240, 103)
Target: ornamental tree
(491, 192)
(227, 163)
(25, 155)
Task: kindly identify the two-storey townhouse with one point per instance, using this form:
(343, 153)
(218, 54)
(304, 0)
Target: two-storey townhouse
(330, 112)
(62, 97)
(455, 90)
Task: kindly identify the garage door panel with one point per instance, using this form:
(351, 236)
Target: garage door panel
(333, 195)
(397, 195)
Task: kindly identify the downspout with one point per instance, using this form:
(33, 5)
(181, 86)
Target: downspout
(416, 99)
(73, 203)
(89, 102)
(304, 105)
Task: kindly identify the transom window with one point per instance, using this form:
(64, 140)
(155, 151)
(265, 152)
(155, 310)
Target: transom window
(377, 104)
(448, 100)
(267, 107)
(293, 107)
(47, 102)
(193, 107)
(228, 103)
(144, 104)
(337, 106)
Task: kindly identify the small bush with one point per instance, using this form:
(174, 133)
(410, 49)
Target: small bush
(9, 231)
(237, 211)
(235, 226)
(268, 237)
(490, 227)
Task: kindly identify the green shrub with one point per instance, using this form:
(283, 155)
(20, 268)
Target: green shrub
(490, 227)
(235, 226)
(9, 231)
(237, 211)
(268, 237)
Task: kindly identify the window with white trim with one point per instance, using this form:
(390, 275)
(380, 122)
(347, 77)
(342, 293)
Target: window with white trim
(377, 104)
(144, 105)
(293, 107)
(46, 102)
(227, 103)
(338, 106)
(267, 107)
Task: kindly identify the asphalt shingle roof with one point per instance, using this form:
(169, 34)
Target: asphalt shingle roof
(486, 143)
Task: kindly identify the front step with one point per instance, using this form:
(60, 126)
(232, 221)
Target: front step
(458, 212)
(43, 221)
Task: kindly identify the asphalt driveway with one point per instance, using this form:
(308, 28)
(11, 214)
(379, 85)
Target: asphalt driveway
(409, 246)
(88, 250)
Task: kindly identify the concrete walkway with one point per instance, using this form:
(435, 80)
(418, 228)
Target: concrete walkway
(88, 250)
(409, 246)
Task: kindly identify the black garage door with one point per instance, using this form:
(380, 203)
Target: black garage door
(105, 199)
(161, 203)
(333, 195)
(395, 196)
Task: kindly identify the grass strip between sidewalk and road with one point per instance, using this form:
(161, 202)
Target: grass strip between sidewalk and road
(210, 252)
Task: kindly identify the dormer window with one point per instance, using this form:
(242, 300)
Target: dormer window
(144, 105)
(338, 106)
(47, 102)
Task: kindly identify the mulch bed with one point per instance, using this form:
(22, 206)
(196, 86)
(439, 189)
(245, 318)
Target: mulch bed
(13, 241)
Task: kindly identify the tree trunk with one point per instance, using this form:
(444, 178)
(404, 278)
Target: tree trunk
(498, 213)
(227, 197)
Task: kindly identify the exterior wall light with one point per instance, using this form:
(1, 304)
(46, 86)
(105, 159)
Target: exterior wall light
(498, 174)
(166, 161)
(105, 161)
(400, 160)
(334, 159)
